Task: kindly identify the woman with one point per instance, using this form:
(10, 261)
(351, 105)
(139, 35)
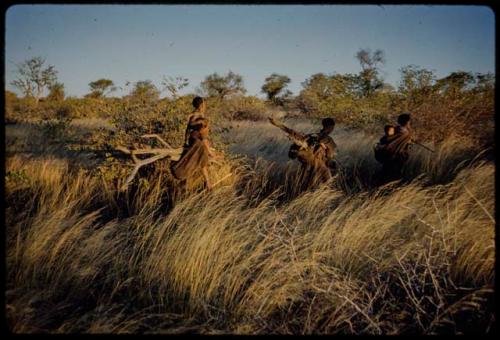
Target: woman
(398, 149)
(194, 158)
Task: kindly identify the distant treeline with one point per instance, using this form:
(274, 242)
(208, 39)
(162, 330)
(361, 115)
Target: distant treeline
(461, 103)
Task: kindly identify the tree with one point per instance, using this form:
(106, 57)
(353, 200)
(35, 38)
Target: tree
(326, 94)
(101, 87)
(174, 85)
(455, 83)
(336, 85)
(387, 88)
(369, 75)
(416, 85)
(485, 81)
(274, 85)
(145, 91)
(215, 85)
(318, 84)
(56, 92)
(32, 78)
(415, 79)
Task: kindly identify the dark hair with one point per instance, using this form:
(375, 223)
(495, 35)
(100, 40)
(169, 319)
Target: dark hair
(387, 127)
(403, 119)
(197, 101)
(328, 122)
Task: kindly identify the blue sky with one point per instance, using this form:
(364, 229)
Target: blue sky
(139, 42)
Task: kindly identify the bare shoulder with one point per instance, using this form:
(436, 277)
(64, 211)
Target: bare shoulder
(197, 117)
(191, 117)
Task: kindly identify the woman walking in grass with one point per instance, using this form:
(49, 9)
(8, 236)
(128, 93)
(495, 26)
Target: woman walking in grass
(196, 152)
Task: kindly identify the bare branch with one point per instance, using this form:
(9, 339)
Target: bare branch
(138, 165)
(173, 154)
(157, 137)
(223, 178)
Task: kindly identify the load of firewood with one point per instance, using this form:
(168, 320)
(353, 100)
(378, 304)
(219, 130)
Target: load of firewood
(155, 154)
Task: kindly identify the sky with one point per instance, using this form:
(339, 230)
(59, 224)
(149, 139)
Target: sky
(146, 42)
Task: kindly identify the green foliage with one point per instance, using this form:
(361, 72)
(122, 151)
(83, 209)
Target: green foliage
(144, 92)
(32, 78)
(416, 85)
(484, 82)
(274, 85)
(167, 118)
(369, 75)
(56, 92)
(56, 130)
(11, 102)
(174, 85)
(455, 83)
(460, 103)
(100, 88)
(340, 96)
(25, 109)
(16, 175)
(218, 86)
(237, 108)
(10, 96)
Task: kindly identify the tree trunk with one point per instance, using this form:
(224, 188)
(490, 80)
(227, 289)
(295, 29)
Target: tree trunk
(38, 95)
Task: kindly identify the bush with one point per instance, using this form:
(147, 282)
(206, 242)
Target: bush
(238, 108)
(459, 104)
(167, 118)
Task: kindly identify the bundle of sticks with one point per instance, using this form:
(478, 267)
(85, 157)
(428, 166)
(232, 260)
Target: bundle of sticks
(156, 154)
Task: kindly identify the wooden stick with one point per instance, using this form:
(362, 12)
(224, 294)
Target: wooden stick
(138, 165)
(170, 151)
(158, 153)
(153, 135)
(425, 147)
(174, 154)
(220, 180)
(294, 136)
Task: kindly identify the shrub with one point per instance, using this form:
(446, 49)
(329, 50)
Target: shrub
(238, 108)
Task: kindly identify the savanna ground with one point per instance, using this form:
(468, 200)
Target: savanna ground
(254, 256)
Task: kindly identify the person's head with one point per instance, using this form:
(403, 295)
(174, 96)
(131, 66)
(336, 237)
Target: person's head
(389, 130)
(199, 104)
(404, 119)
(328, 125)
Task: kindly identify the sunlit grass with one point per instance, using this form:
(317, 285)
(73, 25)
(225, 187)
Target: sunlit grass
(255, 256)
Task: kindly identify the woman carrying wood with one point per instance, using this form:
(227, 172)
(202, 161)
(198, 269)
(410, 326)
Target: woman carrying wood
(196, 152)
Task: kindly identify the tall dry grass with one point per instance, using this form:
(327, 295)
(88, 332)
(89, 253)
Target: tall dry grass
(251, 257)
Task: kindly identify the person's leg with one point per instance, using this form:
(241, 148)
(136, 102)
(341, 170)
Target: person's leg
(333, 167)
(323, 174)
(385, 173)
(393, 171)
(399, 167)
(204, 171)
(303, 179)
